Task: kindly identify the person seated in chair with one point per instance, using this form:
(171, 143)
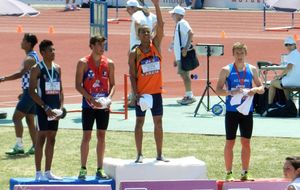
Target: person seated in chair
(289, 77)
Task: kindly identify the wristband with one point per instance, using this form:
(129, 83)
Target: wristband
(45, 107)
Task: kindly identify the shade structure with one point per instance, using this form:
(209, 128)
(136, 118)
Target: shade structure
(16, 8)
(284, 4)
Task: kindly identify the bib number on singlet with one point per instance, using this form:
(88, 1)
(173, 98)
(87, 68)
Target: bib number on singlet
(151, 66)
(52, 88)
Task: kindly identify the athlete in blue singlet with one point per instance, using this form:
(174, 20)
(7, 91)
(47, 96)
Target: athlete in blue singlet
(238, 79)
(26, 106)
(46, 90)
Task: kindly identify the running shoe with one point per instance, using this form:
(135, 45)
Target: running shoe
(100, 174)
(246, 176)
(50, 176)
(162, 158)
(15, 151)
(139, 159)
(186, 100)
(229, 177)
(31, 151)
(82, 174)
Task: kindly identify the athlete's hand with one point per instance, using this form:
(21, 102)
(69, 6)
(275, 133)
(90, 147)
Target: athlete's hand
(50, 113)
(236, 91)
(183, 52)
(95, 103)
(252, 92)
(155, 1)
(175, 63)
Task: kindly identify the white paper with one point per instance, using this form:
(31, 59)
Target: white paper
(146, 102)
(58, 112)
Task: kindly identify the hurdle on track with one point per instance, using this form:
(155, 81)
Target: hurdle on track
(98, 19)
(116, 20)
(280, 28)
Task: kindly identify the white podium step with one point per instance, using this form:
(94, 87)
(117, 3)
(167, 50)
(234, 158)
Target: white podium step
(150, 169)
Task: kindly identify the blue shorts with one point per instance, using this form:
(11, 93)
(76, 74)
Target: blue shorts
(42, 122)
(26, 104)
(157, 109)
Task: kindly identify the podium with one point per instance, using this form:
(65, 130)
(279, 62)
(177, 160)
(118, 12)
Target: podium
(67, 181)
(153, 170)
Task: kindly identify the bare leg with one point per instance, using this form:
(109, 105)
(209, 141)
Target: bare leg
(17, 119)
(158, 134)
(31, 127)
(272, 90)
(84, 148)
(39, 145)
(49, 149)
(228, 154)
(246, 152)
(186, 81)
(100, 147)
(139, 134)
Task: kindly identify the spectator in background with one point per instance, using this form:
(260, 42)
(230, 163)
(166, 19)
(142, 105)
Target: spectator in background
(139, 16)
(291, 171)
(290, 76)
(186, 36)
(71, 7)
(193, 4)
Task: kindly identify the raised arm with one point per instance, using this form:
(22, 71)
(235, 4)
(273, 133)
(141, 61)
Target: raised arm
(159, 26)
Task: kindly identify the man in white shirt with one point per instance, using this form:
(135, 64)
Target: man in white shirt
(290, 76)
(186, 35)
(139, 16)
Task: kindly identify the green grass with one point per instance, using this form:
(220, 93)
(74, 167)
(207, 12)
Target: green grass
(267, 159)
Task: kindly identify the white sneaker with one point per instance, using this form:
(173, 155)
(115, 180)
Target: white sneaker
(39, 176)
(69, 8)
(50, 176)
(75, 7)
(186, 100)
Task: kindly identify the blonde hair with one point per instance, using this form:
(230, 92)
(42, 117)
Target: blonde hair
(239, 46)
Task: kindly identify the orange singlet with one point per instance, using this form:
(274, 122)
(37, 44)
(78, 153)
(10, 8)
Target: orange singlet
(149, 75)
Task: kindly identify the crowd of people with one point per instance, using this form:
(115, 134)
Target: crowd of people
(43, 92)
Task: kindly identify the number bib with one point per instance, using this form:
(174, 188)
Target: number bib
(52, 88)
(152, 65)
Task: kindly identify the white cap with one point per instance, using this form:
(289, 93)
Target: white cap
(178, 10)
(133, 3)
(289, 40)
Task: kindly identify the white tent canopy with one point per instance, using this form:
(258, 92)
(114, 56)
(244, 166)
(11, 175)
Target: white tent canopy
(16, 8)
(284, 4)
